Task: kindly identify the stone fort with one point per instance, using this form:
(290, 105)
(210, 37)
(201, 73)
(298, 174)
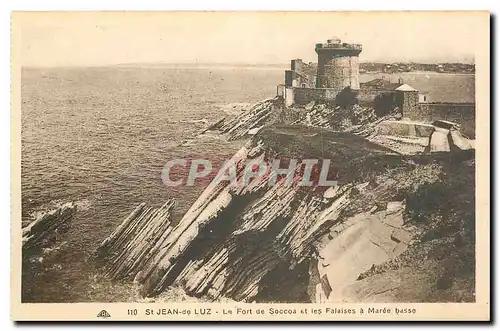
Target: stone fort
(337, 68)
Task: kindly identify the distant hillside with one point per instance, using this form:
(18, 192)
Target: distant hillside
(408, 67)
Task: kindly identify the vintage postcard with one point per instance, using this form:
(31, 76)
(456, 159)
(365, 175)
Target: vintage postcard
(250, 166)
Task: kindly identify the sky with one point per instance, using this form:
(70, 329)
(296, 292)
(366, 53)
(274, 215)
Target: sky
(108, 38)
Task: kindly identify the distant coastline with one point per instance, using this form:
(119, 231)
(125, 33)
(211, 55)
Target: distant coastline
(365, 67)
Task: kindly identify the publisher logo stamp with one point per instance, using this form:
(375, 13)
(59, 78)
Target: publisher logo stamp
(103, 314)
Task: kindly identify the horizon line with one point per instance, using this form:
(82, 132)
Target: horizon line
(222, 64)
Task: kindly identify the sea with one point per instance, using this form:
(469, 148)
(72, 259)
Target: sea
(100, 136)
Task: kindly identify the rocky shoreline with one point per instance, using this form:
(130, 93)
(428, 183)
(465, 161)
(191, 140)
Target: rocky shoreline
(301, 244)
(397, 227)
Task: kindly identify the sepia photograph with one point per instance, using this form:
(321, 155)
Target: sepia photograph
(251, 165)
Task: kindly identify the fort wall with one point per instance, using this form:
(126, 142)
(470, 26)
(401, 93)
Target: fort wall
(460, 113)
(304, 95)
(338, 68)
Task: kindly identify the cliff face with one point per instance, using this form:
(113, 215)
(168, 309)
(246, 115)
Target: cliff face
(440, 265)
(290, 243)
(418, 250)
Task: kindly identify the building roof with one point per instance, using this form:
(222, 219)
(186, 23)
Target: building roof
(405, 88)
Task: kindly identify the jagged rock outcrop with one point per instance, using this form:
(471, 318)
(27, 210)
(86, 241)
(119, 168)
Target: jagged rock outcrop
(244, 242)
(44, 229)
(356, 119)
(235, 237)
(252, 119)
(136, 240)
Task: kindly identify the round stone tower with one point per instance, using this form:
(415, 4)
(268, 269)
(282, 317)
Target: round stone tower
(338, 64)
